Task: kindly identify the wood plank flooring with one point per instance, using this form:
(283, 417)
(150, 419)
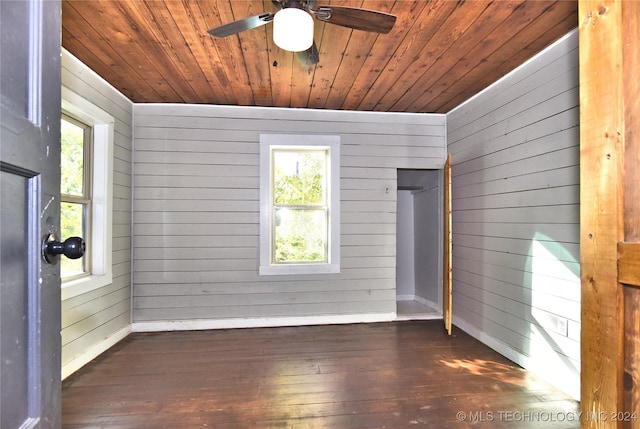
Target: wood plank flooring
(382, 375)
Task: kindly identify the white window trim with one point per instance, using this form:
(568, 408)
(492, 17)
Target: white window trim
(103, 126)
(275, 141)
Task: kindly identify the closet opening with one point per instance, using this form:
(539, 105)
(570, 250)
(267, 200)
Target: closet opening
(419, 248)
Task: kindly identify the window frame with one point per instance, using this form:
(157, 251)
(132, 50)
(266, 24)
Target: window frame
(85, 199)
(268, 143)
(100, 252)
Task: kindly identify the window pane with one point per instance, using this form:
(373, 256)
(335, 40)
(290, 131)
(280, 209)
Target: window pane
(72, 224)
(299, 177)
(72, 171)
(300, 235)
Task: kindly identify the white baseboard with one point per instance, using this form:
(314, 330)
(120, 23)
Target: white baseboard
(419, 299)
(201, 324)
(508, 352)
(428, 303)
(93, 352)
(491, 342)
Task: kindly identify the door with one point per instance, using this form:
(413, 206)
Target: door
(29, 210)
(447, 251)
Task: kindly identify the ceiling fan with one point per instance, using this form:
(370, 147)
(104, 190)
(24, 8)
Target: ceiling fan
(293, 24)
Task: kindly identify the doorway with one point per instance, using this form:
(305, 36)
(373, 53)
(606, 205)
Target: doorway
(419, 244)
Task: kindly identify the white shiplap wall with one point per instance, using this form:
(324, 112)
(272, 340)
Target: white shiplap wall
(93, 321)
(515, 151)
(196, 206)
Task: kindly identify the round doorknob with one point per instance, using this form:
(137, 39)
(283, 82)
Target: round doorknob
(72, 248)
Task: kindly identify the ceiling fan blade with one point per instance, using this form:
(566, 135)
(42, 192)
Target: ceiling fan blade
(241, 25)
(309, 57)
(359, 19)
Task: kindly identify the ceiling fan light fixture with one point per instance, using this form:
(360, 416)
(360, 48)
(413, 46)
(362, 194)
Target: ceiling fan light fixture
(293, 29)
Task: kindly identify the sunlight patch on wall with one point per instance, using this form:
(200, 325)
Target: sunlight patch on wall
(554, 348)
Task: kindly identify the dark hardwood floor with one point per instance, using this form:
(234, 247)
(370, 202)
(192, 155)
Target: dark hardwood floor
(382, 375)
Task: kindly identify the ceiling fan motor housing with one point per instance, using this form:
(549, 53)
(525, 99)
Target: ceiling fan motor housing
(293, 28)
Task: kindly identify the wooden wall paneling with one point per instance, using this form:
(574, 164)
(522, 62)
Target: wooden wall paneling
(171, 27)
(134, 13)
(111, 60)
(423, 17)
(562, 214)
(537, 106)
(631, 405)
(185, 17)
(216, 61)
(302, 77)
(563, 175)
(433, 62)
(565, 58)
(198, 188)
(87, 321)
(91, 86)
(516, 213)
(518, 334)
(629, 263)
(226, 52)
(490, 21)
(159, 51)
(91, 319)
(502, 323)
(255, 52)
(386, 54)
(160, 109)
(525, 174)
(417, 53)
(601, 214)
(499, 286)
(510, 55)
(333, 50)
(556, 28)
(379, 135)
(629, 252)
(355, 56)
(631, 65)
(500, 267)
(563, 232)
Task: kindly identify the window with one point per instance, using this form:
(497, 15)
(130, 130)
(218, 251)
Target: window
(299, 204)
(76, 141)
(87, 134)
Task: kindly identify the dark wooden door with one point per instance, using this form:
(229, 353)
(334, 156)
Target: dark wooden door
(29, 210)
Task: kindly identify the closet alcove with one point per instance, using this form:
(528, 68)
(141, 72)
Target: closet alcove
(419, 244)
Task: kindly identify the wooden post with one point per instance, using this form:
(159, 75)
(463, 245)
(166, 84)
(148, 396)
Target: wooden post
(601, 227)
(447, 280)
(629, 268)
(609, 212)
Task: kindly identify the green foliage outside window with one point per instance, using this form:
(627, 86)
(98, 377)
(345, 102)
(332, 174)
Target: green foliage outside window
(300, 205)
(71, 225)
(73, 209)
(299, 177)
(72, 162)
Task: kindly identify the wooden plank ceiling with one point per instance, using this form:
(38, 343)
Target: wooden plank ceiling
(439, 53)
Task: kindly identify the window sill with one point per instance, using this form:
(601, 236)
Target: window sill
(77, 287)
(298, 269)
